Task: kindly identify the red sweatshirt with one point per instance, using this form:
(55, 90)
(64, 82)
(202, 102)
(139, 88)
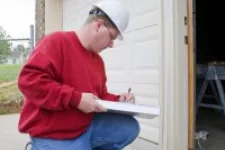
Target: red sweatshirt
(52, 81)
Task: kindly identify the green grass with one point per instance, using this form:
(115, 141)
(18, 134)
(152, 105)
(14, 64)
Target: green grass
(10, 93)
(9, 72)
(10, 96)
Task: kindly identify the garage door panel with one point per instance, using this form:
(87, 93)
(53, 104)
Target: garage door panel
(78, 12)
(76, 6)
(69, 8)
(144, 6)
(140, 144)
(142, 76)
(117, 77)
(133, 62)
(145, 55)
(147, 100)
(136, 8)
(144, 20)
(118, 87)
(137, 77)
(139, 57)
(153, 123)
(145, 90)
(77, 19)
(139, 35)
(114, 59)
(69, 5)
(151, 134)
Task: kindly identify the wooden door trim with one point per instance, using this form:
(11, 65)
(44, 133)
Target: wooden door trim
(191, 75)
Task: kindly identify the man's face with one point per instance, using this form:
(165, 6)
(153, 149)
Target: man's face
(103, 36)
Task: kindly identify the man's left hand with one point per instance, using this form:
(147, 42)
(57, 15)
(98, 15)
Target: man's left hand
(127, 97)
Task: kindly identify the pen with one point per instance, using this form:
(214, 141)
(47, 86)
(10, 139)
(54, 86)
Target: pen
(129, 90)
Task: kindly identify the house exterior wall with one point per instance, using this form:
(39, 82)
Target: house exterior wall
(15, 60)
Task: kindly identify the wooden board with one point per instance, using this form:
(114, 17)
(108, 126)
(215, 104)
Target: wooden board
(191, 75)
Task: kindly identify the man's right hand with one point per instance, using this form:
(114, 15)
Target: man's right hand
(89, 104)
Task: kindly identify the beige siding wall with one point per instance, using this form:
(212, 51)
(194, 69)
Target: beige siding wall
(53, 15)
(48, 17)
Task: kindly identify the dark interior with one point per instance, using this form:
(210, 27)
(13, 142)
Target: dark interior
(210, 31)
(209, 47)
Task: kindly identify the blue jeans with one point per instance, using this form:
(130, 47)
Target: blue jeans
(107, 132)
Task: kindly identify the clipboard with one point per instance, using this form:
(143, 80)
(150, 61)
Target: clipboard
(136, 110)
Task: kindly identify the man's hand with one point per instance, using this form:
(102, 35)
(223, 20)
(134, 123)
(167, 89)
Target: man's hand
(89, 104)
(127, 97)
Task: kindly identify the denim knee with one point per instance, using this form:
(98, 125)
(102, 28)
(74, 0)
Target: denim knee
(125, 132)
(133, 129)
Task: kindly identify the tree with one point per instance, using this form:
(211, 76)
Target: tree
(5, 45)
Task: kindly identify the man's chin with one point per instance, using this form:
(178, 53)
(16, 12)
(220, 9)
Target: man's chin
(99, 50)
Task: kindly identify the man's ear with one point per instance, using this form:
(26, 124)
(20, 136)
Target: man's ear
(96, 25)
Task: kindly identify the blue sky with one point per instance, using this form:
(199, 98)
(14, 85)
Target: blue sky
(16, 16)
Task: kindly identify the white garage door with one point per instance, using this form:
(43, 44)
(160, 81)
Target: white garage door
(134, 62)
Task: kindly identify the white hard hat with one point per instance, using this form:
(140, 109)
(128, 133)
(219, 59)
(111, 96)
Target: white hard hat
(116, 12)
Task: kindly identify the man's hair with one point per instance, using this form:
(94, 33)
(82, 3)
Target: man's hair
(96, 14)
(94, 17)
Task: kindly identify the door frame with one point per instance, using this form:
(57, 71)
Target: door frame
(191, 76)
(177, 83)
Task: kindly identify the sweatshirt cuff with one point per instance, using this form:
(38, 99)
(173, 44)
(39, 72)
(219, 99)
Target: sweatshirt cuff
(76, 98)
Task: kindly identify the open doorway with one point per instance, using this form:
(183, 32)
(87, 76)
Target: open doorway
(209, 50)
